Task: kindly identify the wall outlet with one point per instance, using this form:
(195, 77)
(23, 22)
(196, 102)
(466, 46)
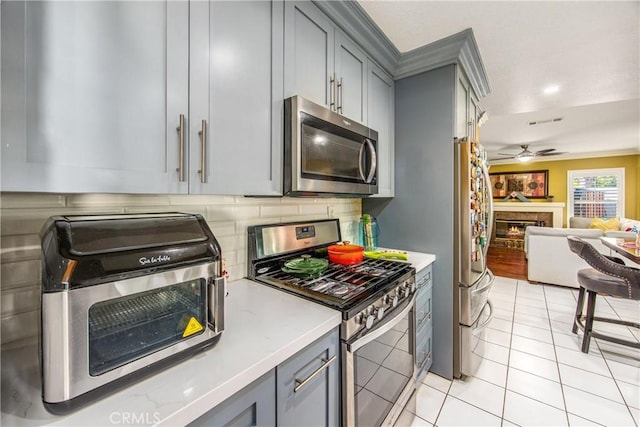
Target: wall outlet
(331, 211)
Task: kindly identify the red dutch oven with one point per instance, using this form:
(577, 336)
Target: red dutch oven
(346, 253)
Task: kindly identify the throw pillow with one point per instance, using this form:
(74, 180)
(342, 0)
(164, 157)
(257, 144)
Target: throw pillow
(611, 224)
(629, 225)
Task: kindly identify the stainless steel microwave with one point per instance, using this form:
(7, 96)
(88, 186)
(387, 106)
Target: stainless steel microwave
(327, 154)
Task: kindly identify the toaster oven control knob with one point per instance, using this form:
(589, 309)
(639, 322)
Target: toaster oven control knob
(391, 300)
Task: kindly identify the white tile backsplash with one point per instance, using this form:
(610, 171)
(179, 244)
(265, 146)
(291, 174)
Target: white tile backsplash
(22, 216)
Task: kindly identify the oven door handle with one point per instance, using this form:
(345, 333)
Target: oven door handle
(360, 342)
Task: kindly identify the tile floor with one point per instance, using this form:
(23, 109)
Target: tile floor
(533, 373)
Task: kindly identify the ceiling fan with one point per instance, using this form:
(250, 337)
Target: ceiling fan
(526, 155)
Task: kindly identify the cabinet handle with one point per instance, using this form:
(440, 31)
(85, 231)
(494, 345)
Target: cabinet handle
(203, 153)
(332, 94)
(340, 90)
(426, 359)
(325, 364)
(180, 130)
(424, 281)
(424, 318)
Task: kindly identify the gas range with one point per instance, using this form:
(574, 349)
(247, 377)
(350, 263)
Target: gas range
(365, 293)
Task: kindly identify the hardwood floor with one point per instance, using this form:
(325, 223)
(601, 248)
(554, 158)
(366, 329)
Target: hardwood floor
(507, 262)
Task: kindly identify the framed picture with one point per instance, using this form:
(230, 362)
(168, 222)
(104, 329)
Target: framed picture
(531, 184)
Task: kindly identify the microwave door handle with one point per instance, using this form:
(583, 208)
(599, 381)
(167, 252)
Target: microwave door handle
(374, 160)
(360, 167)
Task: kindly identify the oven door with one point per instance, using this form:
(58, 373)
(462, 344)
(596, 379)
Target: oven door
(325, 153)
(113, 329)
(379, 370)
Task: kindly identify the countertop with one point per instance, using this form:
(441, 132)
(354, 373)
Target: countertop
(264, 327)
(419, 260)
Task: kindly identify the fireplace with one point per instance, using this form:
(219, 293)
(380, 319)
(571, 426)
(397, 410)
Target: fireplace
(509, 227)
(510, 232)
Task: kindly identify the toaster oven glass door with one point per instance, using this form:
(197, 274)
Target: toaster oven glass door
(124, 329)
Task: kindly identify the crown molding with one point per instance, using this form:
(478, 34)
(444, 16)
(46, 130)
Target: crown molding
(460, 48)
(353, 20)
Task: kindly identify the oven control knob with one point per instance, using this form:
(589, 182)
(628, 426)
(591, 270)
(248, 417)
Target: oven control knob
(406, 292)
(392, 300)
(365, 319)
(369, 321)
(379, 313)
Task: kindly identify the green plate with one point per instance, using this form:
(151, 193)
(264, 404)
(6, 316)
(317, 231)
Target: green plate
(306, 267)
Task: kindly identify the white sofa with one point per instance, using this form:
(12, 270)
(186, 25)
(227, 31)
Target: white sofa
(551, 261)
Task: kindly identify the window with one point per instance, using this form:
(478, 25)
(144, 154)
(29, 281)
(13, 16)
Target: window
(596, 193)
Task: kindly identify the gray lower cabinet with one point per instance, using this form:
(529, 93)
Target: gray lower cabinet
(92, 95)
(254, 405)
(308, 385)
(424, 324)
(304, 390)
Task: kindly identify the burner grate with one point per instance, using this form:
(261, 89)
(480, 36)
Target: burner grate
(340, 282)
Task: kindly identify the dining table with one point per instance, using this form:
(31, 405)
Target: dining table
(628, 248)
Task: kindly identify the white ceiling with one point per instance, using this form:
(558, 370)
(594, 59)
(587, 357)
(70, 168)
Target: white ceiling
(589, 49)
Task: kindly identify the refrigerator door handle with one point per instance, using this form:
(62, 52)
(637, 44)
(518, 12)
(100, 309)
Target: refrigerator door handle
(486, 322)
(487, 287)
(487, 186)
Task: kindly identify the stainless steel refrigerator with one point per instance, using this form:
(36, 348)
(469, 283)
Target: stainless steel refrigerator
(473, 220)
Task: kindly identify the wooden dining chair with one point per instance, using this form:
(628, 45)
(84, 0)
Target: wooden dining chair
(607, 277)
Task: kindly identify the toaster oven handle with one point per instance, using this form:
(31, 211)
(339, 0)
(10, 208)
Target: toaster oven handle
(216, 303)
(374, 160)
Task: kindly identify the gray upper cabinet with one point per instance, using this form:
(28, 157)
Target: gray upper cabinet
(92, 97)
(351, 79)
(308, 385)
(322, 64)
(236, 94)
(466, 108)
(142, 97)
(308, 54)
(380, 112)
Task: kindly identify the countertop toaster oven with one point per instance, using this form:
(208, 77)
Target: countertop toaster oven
(122, 297)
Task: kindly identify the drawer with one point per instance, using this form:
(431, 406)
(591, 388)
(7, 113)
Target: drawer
(423, 308)
(424, 353)
(423, 278)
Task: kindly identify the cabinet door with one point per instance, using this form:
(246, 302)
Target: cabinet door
(92, 95)
(308, 54)
(380, 111)
(236, 97)
(351, 79)
(254, 405)
(317, 399)
(462, 108)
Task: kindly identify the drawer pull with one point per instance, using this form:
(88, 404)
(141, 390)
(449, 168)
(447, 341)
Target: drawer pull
(426, 359)
(325, 364)
(426, 317)
(426, 279)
